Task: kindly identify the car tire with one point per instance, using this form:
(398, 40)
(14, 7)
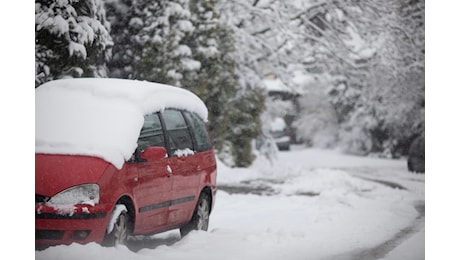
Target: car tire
(200, 218)
(120, 232)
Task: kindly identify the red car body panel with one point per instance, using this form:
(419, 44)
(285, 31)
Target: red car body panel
(153, 188)
(188, 173)
(83, 169)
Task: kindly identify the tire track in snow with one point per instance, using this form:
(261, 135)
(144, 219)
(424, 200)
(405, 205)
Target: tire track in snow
(381, 250)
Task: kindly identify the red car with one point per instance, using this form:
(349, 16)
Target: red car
(116, 158)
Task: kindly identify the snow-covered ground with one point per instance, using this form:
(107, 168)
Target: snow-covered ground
(306, 204)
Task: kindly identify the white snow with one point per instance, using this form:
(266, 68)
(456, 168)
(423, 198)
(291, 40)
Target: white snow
(360, 49)
(185, 26)
(302, 80)
(58, 25)
(76, 48)
(318, 205)
(182, 50)
(136, 22)
(190, 64)
(101, 117)
(411, 249)
(276, 85)
(184, 152)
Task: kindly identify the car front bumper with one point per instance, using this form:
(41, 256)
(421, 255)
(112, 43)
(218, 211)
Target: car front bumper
(56, 225)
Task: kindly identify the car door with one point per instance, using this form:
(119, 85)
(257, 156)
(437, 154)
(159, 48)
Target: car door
(153, 193)
(183, 166)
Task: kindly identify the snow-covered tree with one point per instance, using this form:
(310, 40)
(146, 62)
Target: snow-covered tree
(119, 14)
(150, 40)
(378, 49)
(372, 52)
(214, 82)
(243, 111)
(266, 43)
(234, 124)
(71, 39)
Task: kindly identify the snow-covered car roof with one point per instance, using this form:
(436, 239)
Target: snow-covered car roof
(102, 117)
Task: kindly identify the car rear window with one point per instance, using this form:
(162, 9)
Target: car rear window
(199, 132)
(177, 131)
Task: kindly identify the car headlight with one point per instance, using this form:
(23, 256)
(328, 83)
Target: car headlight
(81, 194)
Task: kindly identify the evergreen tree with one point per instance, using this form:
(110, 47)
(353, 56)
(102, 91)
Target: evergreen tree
(119, 14)
(71, 39)
(215, 81)
(233, 111)
(244, 112)
(151, 40)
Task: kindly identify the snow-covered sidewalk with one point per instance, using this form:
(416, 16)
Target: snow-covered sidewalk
(307, 204)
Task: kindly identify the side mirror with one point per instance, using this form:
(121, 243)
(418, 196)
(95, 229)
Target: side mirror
(153, 153)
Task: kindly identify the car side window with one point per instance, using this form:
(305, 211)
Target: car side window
(151, 133)
(199, 131)
(178, 133)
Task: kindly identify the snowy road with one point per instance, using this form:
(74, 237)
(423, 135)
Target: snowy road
(307, 204)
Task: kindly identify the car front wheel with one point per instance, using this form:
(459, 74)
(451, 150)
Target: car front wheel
(200, 218)
(120, 231)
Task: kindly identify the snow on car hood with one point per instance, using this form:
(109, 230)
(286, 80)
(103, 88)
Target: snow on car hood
(101, 117)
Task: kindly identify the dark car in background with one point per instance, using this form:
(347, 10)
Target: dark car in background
(282, 139)
(416, 157)
(280, 134)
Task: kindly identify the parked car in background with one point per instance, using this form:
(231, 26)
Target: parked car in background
(416, 158)
(115, 158)
(280, 133)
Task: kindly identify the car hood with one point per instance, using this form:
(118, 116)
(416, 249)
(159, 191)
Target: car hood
(55, 173)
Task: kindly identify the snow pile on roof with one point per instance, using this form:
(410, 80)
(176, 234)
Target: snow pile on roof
(102, 117)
